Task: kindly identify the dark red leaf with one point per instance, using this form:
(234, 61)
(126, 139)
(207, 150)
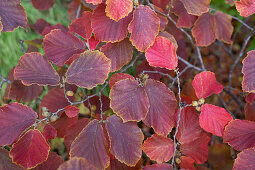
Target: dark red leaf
(250, 98)
(48, 29)
(30, 150)
(129, 100)
(163, 166)
(6, 162)
(117, 165)
(119, 76)
(33, 68)
(205, 84)
(95, 103)
(158, 148)
(245, 160)
(249, 111)
(42, 4)
(77, 164)
(39, 25)
(106, 29)
(187, 163)
(93, 43)
(240, 134)
(213, 119)
(142, 38)
(120, 53)
(71, 111)
(89, 70)
(52, 163)
(15, 118)
(196, 7)
(163, 4)
(248, 71)
(125, 140)
(245, 7)
(91, 144)
(49, 132)
(118, 9)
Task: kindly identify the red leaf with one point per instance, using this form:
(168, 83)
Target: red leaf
(249, 111)
(82, 25)
(119, 76)
(49, 132)
(77, 164)
(93, 43)
(213, 119)
(249, 98)
(106, 29)
(245, 7)
(118, 9)
(94, 2)
(159, 148)
(59, 46)
(205, 84)
(6, 162)
(245, 160)
(196, 7)
(30, 150)
(161, 112)
(71, 111)
(240, 134)
(163, 166)
(89, 70)
(129, 100)
(117, 165)
(48, 29)
(142, 38)
(52, 163)
(125, 140)
(120, 53)
(95, 103)
(248, 71)
(14, 119)
(91, 144)
(163, 4)
(162, 54)
(187, 163)
(163, 22)
(39, 25)
(43, 4)
(12, 15)
(33, 68)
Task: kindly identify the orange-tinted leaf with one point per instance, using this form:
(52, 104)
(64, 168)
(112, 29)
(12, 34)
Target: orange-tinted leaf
(248, 71)
(213, 119)
(82, 25)
(245, 7)
(158, 148)
(106, 29)
(163, 166)
(142, 38)
(245, 160)
(162, 107)
(94, 2)
(49, 132)
(129, 100)
(12, 15)
(39, 25)
(14, 119)
(59, 46)
(33, 68)
(52, 163)
(91, 144)
(77, 164)
(187, 163)
(119, 76)
(240, 134)
(118, 9)
(205, 84)
(89, 70)
(120, 53)
(93, 43)
(196, 7)
(42, 4)
(6, 162)
(71, 111)
(30, 150)
(162, 54)
(125, 140)
(48, 29)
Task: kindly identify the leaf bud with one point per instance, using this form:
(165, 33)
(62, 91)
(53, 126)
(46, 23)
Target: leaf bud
(194, 103)
(46, 114)
(93, 108)
(53, 118)
(198, 108)
(69, 93)
(201, 101)
(178, 160)
(44, 109)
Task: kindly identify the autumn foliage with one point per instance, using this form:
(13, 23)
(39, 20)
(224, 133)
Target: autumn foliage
(131, 84)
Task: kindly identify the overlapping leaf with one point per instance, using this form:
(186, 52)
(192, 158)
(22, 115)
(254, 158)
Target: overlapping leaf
(39, 25)
(248, 70)
(33, 68)
(30, 150)
(196, 7)
(94, 2)
(118, 9)
(245, 160)
(77, 164)
(116, 165)
(14, 119)
(89, 70)
(119, 76)
(240, 134)
(205, 84)
(6, 162)
(59, 46)
(245, 7)
(93, 43)
(187, 163)
(125, 140)
(129, 100)
(48, 29)
(49, 132)
(142, 38)
(249, 111)
(82, 25)
(159, 148)
(43, 4)
(120, 53)
(162, 107)
(162, 54)
(163, 166)
(163, 4)
(12, 15)
(53, 162)
(213, 119)
(106, 29)
(71, 111)
(92, 135)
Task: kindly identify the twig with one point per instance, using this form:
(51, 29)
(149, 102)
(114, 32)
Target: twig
(22, 46)
(101, 106)
(189, 64)
(4, 80)
(78, 12)
(158, 72)
(226, 107)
